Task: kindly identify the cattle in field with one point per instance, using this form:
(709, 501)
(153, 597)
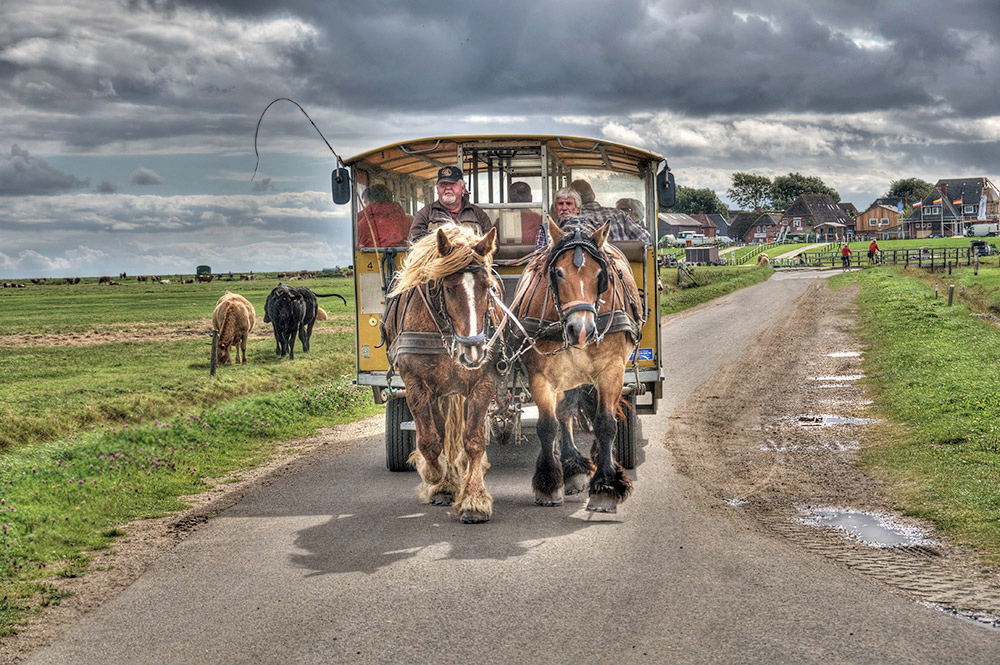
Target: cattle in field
(205, 278)
(312, 312)
(164, 281)
(285, 310)
(142, 278)
(104, 279)
(72, 280)
(233, 320)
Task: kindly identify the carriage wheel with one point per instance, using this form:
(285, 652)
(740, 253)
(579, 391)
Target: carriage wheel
(399, 443)
(626, 440)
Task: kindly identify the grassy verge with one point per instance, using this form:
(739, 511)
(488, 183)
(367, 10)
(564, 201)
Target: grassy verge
(63, 499)
(933, 370)
(709, 282)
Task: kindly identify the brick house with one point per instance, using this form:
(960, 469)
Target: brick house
(708, 226)
(815, 213)
(765, 228)
(952, 207)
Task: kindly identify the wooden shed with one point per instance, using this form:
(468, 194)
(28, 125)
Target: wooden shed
(703, 255)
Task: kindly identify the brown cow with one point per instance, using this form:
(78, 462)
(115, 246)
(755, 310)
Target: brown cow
(233, 319)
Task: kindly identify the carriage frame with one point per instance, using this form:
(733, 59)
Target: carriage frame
(491, 163)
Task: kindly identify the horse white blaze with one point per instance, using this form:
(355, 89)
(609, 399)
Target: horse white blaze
(469, 285)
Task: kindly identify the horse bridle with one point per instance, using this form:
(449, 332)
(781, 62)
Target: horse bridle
(445, 326)
(579, 243)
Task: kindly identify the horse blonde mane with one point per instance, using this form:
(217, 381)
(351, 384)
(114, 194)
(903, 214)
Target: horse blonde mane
(425, 265)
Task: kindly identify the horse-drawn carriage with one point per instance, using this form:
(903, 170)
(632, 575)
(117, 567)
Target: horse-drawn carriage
(400, 178)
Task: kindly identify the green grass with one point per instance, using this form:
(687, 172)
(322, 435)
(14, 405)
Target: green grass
(710, 282)
(61, 500)
(933, 370)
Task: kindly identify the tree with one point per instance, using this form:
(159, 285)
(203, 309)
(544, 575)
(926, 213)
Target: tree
(786, 188)
(749, 191)
(691, 201)
(910, 190)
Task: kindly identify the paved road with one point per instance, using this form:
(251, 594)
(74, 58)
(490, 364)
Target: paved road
(339, 564)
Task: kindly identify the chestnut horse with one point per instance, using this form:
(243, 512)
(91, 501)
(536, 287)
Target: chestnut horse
(581, 312)
(440, 325)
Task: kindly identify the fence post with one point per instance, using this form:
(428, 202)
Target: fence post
(975, 270)
(951, 294)
(215, 351)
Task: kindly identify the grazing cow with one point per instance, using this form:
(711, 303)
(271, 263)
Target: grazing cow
(72, 280)
(104, 279)
(285, 310)
(763, 260)
(233, 319)
(142, 278)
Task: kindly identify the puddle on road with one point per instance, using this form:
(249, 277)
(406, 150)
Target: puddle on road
(871, 529)
(837, 447)
(822, 420)
(840, 377)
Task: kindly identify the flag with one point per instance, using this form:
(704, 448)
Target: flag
(957, 202)
(918, 204)
(937, 201)
(899, 206)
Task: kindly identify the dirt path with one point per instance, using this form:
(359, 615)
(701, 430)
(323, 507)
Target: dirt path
(757, 440)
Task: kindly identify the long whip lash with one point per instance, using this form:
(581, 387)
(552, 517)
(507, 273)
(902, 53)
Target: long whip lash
(340, 162)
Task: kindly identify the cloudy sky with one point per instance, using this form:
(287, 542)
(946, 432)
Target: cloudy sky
(126, 141)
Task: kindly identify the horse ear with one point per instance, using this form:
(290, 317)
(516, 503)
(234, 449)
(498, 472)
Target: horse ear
(444, 245)
(601, 235)
(555, 233)
(488, 244)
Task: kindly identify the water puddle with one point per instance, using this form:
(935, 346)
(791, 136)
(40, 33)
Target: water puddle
(880, 531)
(823, 420)
(844, 354)
(836, 447)
(840, 377)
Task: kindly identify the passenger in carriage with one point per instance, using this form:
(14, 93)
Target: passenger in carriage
(622, 225)
(452, 205)
(567, 204)
(531, 221)
(632, 207)
(384, 216)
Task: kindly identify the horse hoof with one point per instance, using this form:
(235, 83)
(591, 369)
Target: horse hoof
(553, 499)
(602, 504)
(578, 483)
(474, 517)
(443, 499)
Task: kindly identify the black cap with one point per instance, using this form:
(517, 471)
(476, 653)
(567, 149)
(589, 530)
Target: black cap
(449, 174)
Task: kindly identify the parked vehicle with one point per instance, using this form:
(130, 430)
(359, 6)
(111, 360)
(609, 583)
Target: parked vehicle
(983, 229)
(981, 247)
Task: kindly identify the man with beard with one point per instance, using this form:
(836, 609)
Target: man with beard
(452, 205)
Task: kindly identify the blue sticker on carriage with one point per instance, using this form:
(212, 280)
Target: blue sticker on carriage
(644, 354)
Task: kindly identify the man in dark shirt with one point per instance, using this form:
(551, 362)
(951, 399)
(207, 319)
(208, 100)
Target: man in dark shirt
(452, 205)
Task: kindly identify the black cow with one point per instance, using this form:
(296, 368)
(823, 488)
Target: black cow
(312, 307)
(285, 310)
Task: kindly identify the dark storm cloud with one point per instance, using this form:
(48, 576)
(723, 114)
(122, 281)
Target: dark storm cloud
(22, 174)
(627, 56)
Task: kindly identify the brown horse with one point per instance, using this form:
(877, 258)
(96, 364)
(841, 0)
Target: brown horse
(440, 326)
(581, 311)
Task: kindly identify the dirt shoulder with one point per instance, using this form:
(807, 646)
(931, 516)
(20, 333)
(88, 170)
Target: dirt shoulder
(781, 446)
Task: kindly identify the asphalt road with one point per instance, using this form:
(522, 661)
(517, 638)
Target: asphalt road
(338, 563)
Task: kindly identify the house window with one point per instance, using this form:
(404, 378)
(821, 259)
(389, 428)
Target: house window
(797, 222)
(885, 221)
(932, 210)
(969, 210)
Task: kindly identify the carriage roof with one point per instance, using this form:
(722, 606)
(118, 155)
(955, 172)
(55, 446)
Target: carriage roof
(421, 158)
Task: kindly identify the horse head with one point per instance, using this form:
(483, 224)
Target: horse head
(578, 275)
(465, 299)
